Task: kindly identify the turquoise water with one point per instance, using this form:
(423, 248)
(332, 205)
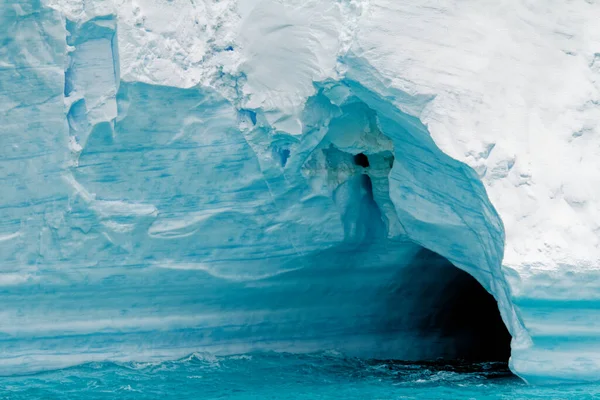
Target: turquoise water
(283, 376)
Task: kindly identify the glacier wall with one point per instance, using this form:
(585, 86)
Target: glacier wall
(184, 176)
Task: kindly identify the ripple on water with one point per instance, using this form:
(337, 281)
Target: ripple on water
(327, 375)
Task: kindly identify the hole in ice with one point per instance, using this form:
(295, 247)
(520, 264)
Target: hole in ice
(361, 160)
(452, 314)
(284, 154)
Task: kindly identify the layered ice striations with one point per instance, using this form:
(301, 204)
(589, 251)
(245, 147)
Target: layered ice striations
(228, 186)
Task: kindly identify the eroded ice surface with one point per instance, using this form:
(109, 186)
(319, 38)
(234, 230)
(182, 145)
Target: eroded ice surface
(183, 175)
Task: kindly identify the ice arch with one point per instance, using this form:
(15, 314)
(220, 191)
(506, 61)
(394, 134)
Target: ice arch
(391, 184)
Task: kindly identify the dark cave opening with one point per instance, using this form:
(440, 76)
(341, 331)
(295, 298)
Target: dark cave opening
(427, 309)
(361, 160)
(456, 318)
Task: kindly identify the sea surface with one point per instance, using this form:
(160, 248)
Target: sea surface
(284, 376)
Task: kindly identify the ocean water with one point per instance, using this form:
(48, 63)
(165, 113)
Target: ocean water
(284, 376)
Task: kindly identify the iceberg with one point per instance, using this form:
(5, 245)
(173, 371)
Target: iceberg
(387, 180)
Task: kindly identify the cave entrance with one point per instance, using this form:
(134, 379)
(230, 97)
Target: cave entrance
(430, 309)
(448, 313)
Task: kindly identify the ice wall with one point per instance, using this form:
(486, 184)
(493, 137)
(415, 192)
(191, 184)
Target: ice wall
(181, 176)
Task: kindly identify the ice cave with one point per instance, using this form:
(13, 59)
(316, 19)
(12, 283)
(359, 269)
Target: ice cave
(383, 180)
(442, 300)
(441, 310)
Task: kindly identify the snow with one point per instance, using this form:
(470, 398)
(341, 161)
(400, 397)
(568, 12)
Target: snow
(175, 158)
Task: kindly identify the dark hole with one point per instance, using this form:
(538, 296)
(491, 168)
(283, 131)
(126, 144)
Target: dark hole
(361, 160)
(284, 154)
(456, 318)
